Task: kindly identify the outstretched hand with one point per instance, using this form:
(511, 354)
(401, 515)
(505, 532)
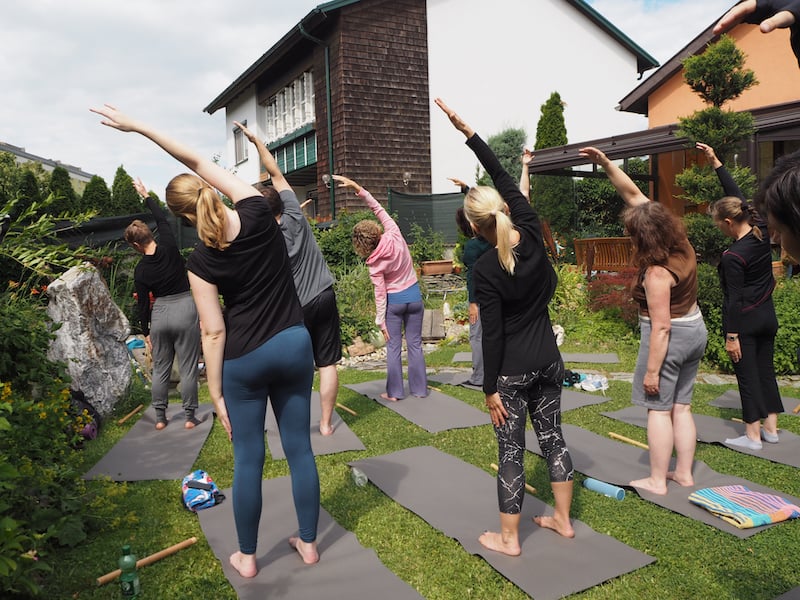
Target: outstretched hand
(598, 157)
(711, 156)
(115, 118)
(345, 182)
(457, 182)
(247, 133)
(527, 157)
(140, 188)
(777, 14)
(457, 121)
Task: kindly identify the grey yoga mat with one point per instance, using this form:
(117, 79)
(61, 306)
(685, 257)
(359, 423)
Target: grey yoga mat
(713, 430)
(342, 440)
(619, 463)
(454, 378)
(590, 357)
(581, 357)
(345, 570)
(437, 412)
(460, 500)
(731, 399)
(145, 453)
(570, 399)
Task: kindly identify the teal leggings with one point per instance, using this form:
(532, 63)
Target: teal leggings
(282, 369)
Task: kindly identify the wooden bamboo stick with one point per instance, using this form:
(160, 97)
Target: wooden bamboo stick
(627, 440)
(528, 486)
(344, 408)
(796, 409)
(148, 560)
(130, 414)
(736, 420)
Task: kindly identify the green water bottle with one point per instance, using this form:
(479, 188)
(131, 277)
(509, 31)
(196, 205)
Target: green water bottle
(129, 579)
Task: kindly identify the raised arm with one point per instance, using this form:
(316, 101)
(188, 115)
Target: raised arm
(506, 185)
(222, 179)
(457, 121)
(624, 185)
(525, 177)
(729, 187)
(265, 156)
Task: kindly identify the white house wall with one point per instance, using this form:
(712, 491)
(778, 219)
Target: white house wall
(496, 62)
(243, 109)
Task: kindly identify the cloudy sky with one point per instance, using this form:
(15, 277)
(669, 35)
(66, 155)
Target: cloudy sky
(165, 60)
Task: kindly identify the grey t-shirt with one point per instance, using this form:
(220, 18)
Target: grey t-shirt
(309, 269)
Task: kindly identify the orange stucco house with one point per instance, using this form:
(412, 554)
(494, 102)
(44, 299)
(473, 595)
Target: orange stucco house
(664, 97)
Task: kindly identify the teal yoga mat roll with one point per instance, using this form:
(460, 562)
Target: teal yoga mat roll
(612, 491)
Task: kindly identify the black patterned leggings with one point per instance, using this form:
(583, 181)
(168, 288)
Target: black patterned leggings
(537, 393)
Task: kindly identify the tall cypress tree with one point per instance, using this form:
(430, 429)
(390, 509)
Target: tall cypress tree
(28, 192)
(553, 195)
(124, 197)
(97, 197)
(64, 198)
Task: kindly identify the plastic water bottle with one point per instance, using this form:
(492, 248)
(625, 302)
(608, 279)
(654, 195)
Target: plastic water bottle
(359, 477)
(129, 579)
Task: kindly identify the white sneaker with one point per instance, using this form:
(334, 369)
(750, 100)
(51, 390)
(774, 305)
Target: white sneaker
(771, 438)
(744, 442)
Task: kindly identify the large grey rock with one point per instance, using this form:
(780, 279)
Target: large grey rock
(91, 339)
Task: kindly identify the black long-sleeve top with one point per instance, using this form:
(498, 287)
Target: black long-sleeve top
(745, 270)
(517, 333)
(162, 273)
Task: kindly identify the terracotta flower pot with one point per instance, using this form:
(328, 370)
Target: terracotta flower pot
(436, 267)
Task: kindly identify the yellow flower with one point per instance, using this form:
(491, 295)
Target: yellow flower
(42, 415)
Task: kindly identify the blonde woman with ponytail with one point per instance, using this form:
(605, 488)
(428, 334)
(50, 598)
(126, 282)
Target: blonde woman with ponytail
(259, 348)
(749, 321)
(523, 371)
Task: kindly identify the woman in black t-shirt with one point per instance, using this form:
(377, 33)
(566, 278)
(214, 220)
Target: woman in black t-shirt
(259, 347)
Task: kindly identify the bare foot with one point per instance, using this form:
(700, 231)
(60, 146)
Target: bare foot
(680, 479)
(494, 541)
(325, 429)
(245, 564)
(386, 396)
(160, 425)
(649, 485)
(554, 523)
(306, 550)
(191, 423)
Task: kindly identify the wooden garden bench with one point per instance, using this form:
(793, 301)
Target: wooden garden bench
(603, 254)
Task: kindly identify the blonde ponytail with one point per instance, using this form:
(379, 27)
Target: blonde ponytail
(190, 197)
(485, 208)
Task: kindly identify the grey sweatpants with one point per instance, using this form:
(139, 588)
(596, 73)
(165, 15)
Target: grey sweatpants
(175, 329)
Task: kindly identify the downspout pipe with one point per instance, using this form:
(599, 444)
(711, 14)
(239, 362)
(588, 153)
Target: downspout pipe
(328, 103)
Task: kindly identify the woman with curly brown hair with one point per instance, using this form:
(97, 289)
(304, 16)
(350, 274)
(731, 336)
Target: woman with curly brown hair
(673, 334)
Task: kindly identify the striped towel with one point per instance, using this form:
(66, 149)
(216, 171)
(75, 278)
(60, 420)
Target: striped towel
(744, 508)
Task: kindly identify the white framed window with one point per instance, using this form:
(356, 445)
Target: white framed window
(290, 108)
(240, 144)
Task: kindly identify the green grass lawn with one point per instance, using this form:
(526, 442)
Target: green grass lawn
(693, 560)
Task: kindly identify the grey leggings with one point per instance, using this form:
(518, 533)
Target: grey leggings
(537, 393)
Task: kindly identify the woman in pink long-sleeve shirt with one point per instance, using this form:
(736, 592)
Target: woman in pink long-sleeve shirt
(398, 301)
